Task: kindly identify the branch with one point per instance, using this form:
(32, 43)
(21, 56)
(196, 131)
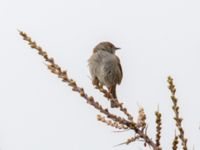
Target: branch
(62, 74)
(175, 143)
(158, 128)
(119, 105)
(177, 118)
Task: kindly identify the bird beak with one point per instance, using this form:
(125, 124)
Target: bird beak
(117, 48)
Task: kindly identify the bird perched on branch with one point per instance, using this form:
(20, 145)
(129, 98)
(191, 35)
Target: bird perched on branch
(105, 67)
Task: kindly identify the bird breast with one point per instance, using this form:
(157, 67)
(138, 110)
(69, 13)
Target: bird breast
(105, 66)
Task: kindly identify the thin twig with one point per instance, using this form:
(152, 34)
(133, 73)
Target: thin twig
(177, 117)
(175, 143)
(119, 105)
(158, 128)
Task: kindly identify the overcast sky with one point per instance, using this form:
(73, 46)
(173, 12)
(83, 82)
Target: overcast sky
(158, 38)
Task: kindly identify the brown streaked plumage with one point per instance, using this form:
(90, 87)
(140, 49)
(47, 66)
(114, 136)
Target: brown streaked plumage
(105, 67)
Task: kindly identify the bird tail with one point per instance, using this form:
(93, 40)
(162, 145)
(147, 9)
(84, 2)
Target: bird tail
(113, 92)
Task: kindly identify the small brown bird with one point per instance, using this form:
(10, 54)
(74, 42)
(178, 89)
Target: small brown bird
(105, 67)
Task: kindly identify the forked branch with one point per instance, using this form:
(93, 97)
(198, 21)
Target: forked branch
(139, 127)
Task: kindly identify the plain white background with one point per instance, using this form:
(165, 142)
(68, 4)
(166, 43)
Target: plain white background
(158, 38)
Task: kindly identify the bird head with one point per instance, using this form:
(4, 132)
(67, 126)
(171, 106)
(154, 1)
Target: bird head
(106, 46)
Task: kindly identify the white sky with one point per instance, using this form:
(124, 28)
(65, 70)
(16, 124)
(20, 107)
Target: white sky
(158, 38)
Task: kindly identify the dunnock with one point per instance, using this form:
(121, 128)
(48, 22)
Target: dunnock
(105, 67)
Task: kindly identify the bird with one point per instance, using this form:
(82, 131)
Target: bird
(105, 68)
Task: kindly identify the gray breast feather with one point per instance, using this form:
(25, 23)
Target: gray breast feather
(105, 67)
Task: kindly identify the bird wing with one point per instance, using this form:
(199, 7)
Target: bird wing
(120, 68)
